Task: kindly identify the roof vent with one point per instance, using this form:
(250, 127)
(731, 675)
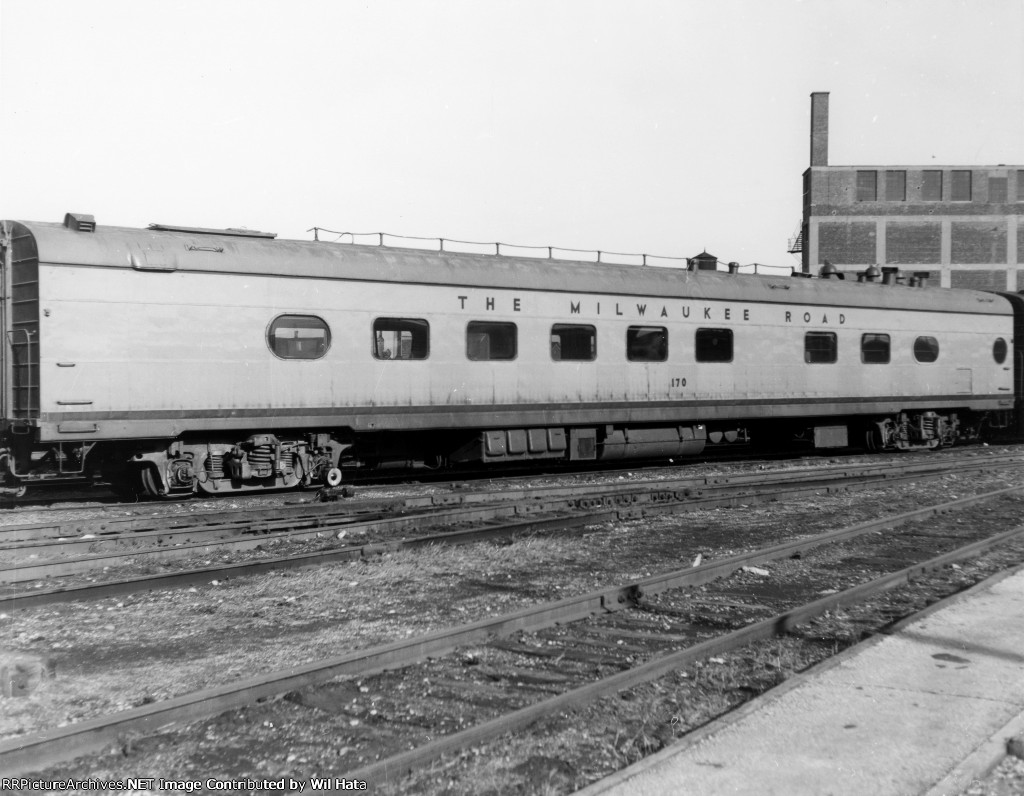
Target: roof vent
(872, 274)
(241, 233)
(80, 222)
(703, 262)
(891, 276)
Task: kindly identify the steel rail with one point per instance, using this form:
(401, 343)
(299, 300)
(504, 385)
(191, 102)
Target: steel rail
(37, 751)
(99, 492)
(625, 504)
(290, 522)
(173, 580)
(404, 762)
(616, 507)
(110, 525)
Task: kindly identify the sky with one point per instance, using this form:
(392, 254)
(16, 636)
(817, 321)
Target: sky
(666, 127)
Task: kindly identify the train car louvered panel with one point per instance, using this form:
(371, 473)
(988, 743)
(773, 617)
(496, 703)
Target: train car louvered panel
(23, 329)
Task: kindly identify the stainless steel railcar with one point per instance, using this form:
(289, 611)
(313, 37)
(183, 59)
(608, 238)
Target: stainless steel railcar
(179, 359)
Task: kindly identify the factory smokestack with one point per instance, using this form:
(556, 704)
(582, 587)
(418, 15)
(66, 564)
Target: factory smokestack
(819, 128)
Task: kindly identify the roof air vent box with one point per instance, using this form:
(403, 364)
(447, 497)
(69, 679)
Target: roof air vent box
(80, 222)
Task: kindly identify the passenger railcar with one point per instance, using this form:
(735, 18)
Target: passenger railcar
(179, 359)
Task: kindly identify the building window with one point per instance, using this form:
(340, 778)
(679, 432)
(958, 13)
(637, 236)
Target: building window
(647, 344)
(961, 186)
(997, 190)
(931, 186)
(926, 349)
(999, 351)
(821, 347)
(573, 343)
(867, 186)
(874, 349)
(299, 337)
(713, 345)
(401, 338)
(486, 340)
(896, 186)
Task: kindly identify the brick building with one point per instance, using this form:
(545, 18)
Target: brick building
(964, 225)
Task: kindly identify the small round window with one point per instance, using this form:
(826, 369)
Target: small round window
(299, 337)
(926, 349)
(999, 350)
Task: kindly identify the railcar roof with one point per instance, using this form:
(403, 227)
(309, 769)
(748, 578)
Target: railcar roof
(199, 251)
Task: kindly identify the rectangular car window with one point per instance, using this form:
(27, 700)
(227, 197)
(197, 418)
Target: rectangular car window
(570, 342)
(874, 349)
(713, 345)
(488, 341)
(820, 347)
(401, 338)
(647, 344)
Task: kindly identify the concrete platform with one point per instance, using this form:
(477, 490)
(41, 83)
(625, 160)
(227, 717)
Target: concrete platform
(924, 710)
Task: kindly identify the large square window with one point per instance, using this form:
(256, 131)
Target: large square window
(647, 344)
(821, 347)
(570, 342)
(401, 338)
(896, 186)
(874, 349)
(487, 341)
(713, 345)
(867, 186)
(960, 187)
(997, 190)
(931, 186)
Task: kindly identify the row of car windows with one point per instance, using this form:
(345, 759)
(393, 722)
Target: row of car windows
(309, 337)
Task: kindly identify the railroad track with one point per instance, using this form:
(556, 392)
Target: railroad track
(56, 496)
(123, 518)
(40, 553)
(532, 663)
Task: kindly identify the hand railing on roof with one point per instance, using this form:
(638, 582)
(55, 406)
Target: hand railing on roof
(535, 252)
(497, 248)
